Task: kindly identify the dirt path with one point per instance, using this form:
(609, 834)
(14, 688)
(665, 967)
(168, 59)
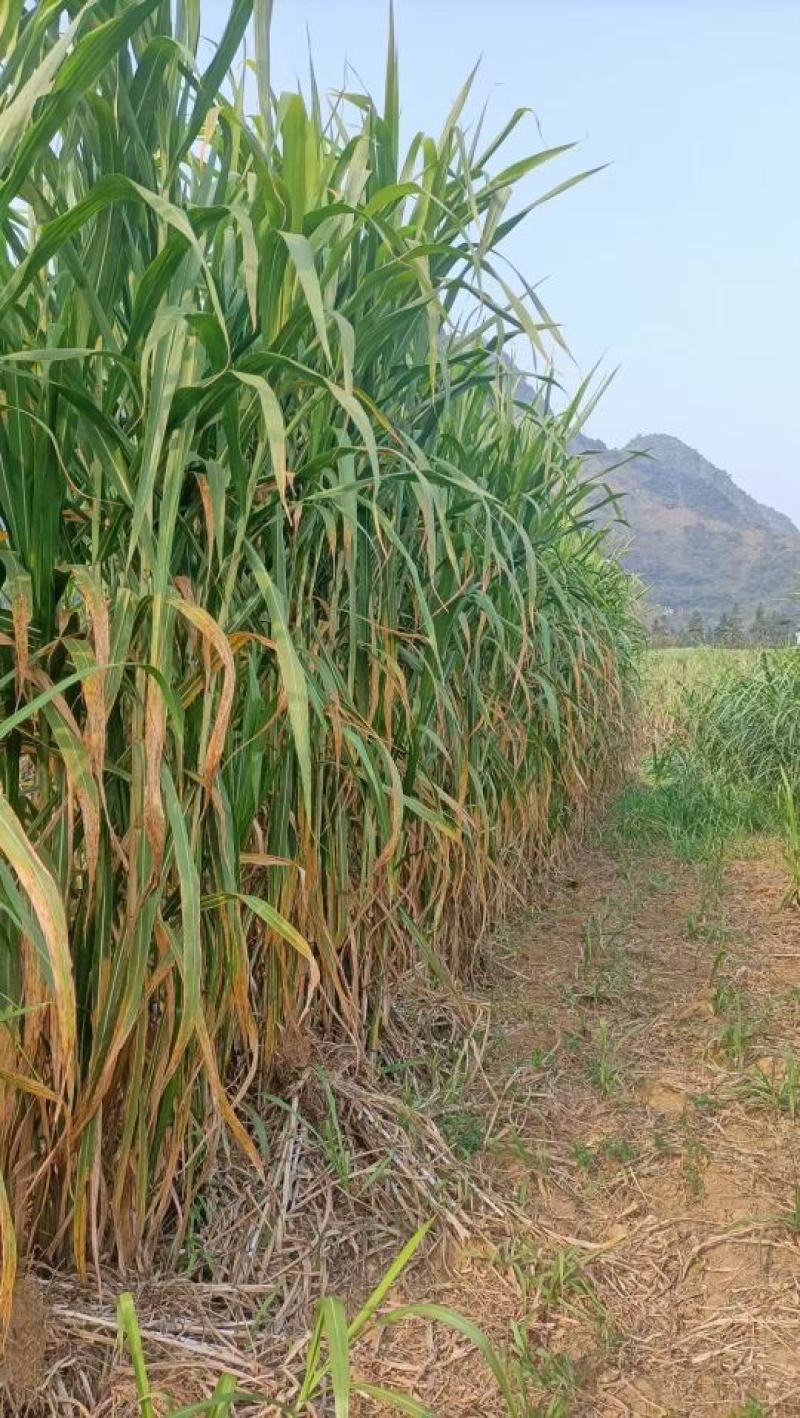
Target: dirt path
(638, 1107)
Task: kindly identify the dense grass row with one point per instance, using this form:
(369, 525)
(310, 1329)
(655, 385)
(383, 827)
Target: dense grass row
(747, 726)
(725, 748)
(309, 647)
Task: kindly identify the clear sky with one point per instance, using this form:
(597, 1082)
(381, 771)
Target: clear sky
(681, 261)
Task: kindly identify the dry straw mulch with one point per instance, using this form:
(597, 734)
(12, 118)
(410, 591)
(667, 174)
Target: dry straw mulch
(629, 1219)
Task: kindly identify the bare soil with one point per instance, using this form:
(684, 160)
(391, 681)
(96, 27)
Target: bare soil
(22, 1366)
(640, 1107)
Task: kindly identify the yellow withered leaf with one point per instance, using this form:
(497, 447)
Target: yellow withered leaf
(45, 899)
(216, 639)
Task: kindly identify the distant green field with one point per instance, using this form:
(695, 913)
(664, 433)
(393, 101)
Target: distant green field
(671, 672)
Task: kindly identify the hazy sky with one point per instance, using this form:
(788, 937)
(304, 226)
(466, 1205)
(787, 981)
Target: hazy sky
(681, 261)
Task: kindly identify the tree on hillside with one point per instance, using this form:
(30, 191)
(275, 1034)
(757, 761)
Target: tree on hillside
(783, 628)
(737, 633)
(720, 635)
(759, 630)
(769, 627)
(776, 628)
(729, 630)
(695, 629)
(661, 631)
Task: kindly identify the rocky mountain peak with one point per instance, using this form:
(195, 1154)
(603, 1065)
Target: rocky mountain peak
(697, 540)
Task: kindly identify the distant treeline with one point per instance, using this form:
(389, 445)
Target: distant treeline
(731, 629)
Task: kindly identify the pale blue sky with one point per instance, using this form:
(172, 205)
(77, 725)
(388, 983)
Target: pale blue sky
(680, 262)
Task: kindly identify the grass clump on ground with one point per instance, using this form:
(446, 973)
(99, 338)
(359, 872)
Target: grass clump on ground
(724, 760)
(747, 726)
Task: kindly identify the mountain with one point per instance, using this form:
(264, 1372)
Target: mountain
(697, 541)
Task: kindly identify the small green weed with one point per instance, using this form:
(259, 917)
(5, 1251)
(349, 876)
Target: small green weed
(600, 934)
(334, 1143)
(605, 1073)
(464, 1133)
(195, 1259)
(736, 1038)
(616, 1148)
(584, 1156)
(712, 932)
(792, 1217)
(563, 1283)
(778, 1088)
(536, 1160)
(707, 1102)
(694, 1160)
(752, 1409)
(604, 975)
(551, 1280)
(542, 1058)
(544, 1383)
(659, 881)
(662, 1143)
(719, 960)
(576, 1040)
